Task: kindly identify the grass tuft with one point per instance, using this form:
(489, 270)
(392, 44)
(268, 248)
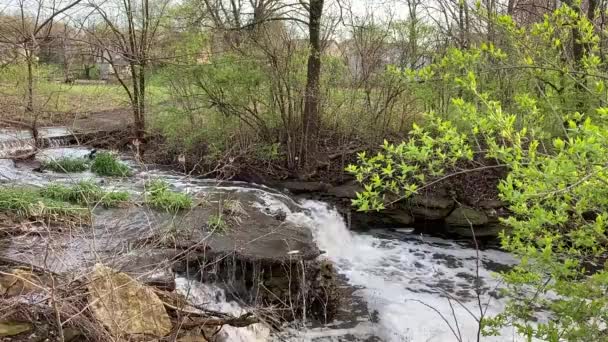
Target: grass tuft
(85, 193)
(159, 195)
(107, 164)
(30, 203)
(217, 223)
(67, 165)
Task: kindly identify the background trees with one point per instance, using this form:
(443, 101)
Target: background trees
(294, 89)
(27, 25)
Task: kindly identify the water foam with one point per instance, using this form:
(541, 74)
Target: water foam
(214, 298)
(408, 280)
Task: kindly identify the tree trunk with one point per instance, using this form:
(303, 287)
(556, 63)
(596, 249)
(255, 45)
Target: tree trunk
(511, 7)
(141, 127)
(311, 119)
(29, 106)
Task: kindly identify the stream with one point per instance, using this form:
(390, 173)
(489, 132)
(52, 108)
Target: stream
(403, 283)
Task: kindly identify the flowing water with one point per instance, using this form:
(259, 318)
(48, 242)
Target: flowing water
(415, 288)
(14, 142)
(420, 288)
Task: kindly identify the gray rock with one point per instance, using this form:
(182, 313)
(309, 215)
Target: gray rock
(297, 187)
(400, 217)
(465, 217)
(345, 191)
(426, 213)
(492, 204)
(487, 231)
(432, 201)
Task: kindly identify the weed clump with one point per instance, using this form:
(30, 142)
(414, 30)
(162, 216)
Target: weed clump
(106, 164)
(67, 165)
(217, 223)
(159, 195)
(85, 193)
(30, 203)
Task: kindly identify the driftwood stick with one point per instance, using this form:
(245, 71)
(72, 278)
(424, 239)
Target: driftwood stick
(239, 322)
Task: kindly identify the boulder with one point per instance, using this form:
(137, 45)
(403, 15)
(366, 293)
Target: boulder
(11, 328)
(430, 207)
(18, 282)
(492, 204)
(400, 217)
(297, 187)
(432, 201)
(125, 306)
(465, 217)
(487, 231)
(431, 214)
(345, 191)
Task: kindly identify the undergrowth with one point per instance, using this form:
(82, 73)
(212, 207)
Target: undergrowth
(158, 195)
(67, 164)
(85, 193)
(107, 164)
(31, 203)
(217, 223)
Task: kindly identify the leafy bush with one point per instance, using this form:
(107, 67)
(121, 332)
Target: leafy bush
(85, 193)
(557, 183)
(29, 203)
(107, 164)
(67, 164)
(159, 195)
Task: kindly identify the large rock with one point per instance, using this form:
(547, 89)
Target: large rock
(432, 201)
(431, 214)
(430, 207)
(492, 204)
(10, 328)
(465, 217)
(18, 282)
(298, 187)
(400, 216)
(125, 306)
(345, 191)
(487, 231)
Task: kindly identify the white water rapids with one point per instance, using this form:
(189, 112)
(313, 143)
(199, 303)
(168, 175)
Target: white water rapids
(416, 288)
(405, 279)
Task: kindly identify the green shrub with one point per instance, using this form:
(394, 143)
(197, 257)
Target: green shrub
(85, 193)
(67, 164)
(106, 164)
(159, 195)
(29, 203)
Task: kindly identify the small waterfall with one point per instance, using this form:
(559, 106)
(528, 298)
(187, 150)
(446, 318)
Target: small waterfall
(9, 148)
(214, 298)
(16, 142)
(404, 279)
(407, 279)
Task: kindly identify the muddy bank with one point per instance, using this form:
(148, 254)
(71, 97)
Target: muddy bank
(458, 206)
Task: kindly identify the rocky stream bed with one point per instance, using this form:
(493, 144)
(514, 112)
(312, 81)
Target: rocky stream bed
(289, 264)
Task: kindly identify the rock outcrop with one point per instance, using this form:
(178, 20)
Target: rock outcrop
(126, 307)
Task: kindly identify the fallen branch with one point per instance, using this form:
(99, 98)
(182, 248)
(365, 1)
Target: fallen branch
(244, 320)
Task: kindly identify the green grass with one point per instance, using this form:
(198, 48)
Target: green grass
(107, 164)
(85, 193)
(217, 223)
(67, 164)
(30, 203)
(158, 195)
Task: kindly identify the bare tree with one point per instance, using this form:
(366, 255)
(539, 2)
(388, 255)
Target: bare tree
(126, 33)
(31, 23)
(311, 118)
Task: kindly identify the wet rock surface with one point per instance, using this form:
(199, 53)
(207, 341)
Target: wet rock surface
(262, 258)
(465, 217)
